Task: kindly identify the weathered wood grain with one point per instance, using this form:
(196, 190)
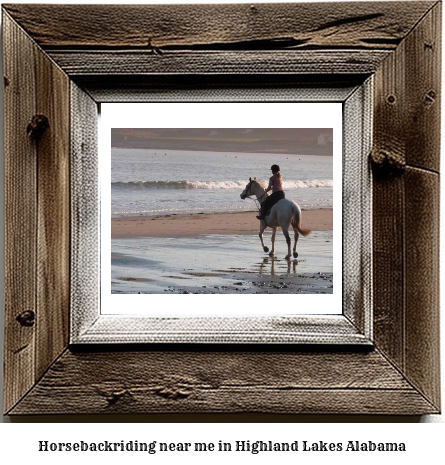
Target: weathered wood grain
(274, 26)
(217, 87)
(223, 382)
(85, 212)
(78, 63)
(37, 216)
(406, 207)
(112, 329)
(422, 323)
(228, 39)
(408, 82)
(423, 91)
(20, 213)
(357, 209)
(388, 201)
(388, 268)
(251, 400)
(53, 225)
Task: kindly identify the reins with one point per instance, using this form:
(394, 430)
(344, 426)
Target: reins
(256, 200)
(258, 205)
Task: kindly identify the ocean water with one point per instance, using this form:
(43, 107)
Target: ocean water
(160, 182)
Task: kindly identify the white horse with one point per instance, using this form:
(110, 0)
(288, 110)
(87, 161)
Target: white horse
(284, 213)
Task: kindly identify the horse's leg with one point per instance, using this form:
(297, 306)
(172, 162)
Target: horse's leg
(262, 228)
(288, 241)
(274, 233)
(295, 243)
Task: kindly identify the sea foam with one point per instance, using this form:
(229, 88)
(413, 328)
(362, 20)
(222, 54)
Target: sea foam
(216, 185)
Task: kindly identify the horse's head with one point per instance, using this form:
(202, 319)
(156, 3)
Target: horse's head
(248, 191)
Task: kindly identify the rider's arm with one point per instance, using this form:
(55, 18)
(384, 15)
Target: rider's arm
(269, 187)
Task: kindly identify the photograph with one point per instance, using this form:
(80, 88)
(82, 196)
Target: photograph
(225, 210)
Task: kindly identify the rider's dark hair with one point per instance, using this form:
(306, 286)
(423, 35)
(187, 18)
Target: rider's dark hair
(275, 169)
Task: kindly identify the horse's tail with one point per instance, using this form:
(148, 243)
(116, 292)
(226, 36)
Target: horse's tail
(296, 221)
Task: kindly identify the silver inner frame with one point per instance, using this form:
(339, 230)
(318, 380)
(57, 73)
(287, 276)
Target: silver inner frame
(354, 326)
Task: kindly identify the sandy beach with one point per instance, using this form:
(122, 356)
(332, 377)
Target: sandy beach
(218, 253)
(204, 223)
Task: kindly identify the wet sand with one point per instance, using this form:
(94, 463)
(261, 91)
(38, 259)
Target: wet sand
(204, 223)
(221, 264)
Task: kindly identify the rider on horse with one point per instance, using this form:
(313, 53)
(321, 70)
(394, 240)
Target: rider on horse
(276, 185)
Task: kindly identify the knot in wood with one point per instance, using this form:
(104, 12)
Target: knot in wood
(26, 318)
(430, 97)
(114, 397)
(155, 50)
(113, 394)
(387, 163)
(172, 393)
(37, 126)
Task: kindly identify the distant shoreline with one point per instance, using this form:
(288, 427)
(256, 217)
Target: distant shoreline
(221, 151)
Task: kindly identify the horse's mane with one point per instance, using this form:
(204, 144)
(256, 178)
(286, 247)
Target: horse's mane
(258, 181)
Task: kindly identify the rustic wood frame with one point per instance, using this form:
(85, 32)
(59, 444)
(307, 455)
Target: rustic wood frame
(98, 53)
(89, 321)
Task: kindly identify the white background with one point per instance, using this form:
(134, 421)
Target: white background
(18, 442)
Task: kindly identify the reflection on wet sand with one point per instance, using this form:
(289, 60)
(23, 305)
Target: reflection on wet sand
(267, 266)
(219, 264)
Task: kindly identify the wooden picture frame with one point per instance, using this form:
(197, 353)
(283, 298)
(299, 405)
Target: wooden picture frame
(59, 68)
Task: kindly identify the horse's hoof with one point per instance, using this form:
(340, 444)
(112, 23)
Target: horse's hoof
(287, 257)
(271, 254)
(295, 254)
(266, 249)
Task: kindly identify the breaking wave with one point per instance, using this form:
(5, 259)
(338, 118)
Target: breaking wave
(215, 185)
